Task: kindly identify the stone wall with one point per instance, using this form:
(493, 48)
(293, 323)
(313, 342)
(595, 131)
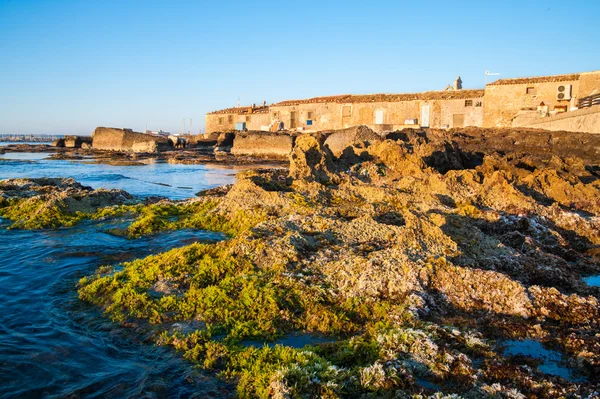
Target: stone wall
(126, 140)
(263, 144)
(583, 120)
(503, 102)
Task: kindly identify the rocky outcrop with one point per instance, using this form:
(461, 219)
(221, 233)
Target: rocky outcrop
(341, 139)
(523, 140)
(310, 161)
(58, 143)
(417, 256)
(177, 141)
(53, 202)
(76, 141)
(126, 140)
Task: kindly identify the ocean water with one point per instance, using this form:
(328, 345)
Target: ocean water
(53, 345)
(593, 281)
(174, 181)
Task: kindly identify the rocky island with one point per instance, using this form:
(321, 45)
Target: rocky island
(421, 264)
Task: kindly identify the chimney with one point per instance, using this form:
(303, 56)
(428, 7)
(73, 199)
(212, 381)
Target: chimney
(264, 103)
(458, 83)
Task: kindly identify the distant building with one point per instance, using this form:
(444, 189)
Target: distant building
(503, 103)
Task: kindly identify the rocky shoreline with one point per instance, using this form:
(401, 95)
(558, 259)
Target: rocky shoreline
(275, 148)
(419, 258)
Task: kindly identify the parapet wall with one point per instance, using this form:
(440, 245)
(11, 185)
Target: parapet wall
(262, 144)
(126, 140)
(582, 120)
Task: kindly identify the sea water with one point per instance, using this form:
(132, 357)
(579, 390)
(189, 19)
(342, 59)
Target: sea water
(54, 345)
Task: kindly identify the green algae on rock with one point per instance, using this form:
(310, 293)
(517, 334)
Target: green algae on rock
(413, 256)
(51, 203)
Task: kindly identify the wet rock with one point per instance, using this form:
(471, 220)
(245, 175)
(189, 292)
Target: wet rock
(54, 202)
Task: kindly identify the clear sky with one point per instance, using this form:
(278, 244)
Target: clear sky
(69, 66)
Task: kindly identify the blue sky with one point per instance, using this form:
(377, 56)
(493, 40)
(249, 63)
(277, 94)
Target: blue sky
(69, 66)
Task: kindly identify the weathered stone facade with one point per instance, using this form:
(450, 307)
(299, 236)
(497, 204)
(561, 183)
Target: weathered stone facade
(126, 140)
(506, 97)
(225, 120)
(264, 145)
(496, 106)
(383, 111)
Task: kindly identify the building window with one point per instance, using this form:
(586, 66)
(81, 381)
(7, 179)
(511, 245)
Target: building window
(220, 121)
(230, 119)
(276, 115)
(346, 111)
(309, 115)
(531, 91)
(468, 103)
(247, 119)
(478, 104)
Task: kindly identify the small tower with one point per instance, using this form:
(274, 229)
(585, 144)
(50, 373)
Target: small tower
(458, 83)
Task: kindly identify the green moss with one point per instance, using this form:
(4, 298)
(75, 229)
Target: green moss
(238, 301)
(203, 215)
(33, 213)
(116, 211)
(199, 215)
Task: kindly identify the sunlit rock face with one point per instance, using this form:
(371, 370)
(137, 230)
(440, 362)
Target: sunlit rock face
(414, 257)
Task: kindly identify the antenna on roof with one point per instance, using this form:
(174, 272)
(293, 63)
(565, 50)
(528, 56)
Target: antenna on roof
(488, 73)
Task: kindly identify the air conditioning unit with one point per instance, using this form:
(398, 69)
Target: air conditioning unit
(563, 92)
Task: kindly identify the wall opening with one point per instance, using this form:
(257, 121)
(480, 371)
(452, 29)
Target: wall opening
(425, 109)
(458, 120)
(379, 117)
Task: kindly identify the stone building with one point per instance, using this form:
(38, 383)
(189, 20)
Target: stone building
(507, 99)
(505, 102)
(254, 118)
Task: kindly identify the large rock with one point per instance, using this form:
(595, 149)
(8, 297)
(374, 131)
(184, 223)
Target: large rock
(310, 161)
(339, 140)
(58, 143)
(126, 140)
(76, 141)
(53, 202)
